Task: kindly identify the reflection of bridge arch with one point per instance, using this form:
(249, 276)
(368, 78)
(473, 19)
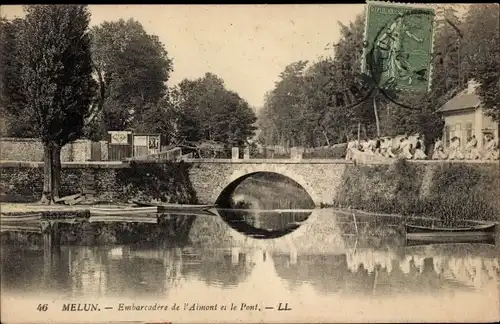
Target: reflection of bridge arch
(222, 193)
(319, 229)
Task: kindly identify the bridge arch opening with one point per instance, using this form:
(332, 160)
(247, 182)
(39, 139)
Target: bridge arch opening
(264, 204)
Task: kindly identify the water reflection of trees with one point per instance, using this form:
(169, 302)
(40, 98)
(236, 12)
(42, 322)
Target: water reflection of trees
(383, 273)
(119, 271)
(217, 267)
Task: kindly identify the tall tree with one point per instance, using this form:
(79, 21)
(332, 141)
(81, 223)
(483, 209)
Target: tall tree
(57, 78)
(132, 68)
(208, 111)
(482, 41)
(284, 105)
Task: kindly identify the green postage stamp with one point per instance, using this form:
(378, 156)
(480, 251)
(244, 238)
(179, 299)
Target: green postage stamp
(398, 45)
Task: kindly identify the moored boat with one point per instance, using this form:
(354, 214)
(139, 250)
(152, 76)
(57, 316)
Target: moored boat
(25, 217)
(164, 207)
(122, 211)
(475, 233)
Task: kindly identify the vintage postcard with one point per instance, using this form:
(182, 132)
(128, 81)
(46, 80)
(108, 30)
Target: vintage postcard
(250, 163)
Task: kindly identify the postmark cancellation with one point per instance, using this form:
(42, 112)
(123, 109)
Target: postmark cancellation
(399, 45)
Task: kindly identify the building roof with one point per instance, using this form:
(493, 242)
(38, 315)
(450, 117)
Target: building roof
(463, 100)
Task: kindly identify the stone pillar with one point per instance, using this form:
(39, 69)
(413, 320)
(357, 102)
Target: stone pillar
(88, 150)
(235, 153)
(295, 154)
(246, 153)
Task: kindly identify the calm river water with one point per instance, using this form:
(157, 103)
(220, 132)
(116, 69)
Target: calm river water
(368, 277)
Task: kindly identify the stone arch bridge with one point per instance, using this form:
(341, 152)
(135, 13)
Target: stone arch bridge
(214, 178)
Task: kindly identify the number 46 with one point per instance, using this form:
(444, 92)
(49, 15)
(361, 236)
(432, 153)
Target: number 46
(42, 308)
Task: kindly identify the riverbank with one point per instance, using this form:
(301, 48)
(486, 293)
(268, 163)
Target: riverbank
(447, 191)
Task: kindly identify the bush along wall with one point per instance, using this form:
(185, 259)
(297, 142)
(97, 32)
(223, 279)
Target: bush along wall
(456, 191)
(165, 182)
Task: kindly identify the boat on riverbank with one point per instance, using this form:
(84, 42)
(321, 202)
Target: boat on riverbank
(475, 233)
(17, 218)
(166, 208)
(124, 214)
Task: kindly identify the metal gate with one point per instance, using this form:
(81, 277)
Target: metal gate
(95, 151)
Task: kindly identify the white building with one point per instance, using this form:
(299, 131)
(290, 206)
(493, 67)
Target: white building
(463, 116)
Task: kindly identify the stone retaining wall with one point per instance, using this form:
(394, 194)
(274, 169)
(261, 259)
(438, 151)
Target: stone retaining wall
(31, 149)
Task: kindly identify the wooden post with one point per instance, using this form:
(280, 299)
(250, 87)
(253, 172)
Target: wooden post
(235, 256)
(355, 223)
(376, 115)
(293, 256)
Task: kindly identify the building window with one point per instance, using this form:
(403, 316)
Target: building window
(468, 130)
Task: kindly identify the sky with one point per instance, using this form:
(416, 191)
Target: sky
(248, 46)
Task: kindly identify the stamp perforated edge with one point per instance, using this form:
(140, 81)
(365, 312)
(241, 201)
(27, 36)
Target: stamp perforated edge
(431, 6)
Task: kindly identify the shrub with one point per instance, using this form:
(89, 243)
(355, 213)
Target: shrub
(335, 152)
(458, 191)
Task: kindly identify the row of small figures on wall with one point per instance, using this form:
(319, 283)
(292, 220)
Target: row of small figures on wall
(471, 151)
(413, 148)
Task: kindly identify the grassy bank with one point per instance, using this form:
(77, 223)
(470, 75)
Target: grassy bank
(449, 191)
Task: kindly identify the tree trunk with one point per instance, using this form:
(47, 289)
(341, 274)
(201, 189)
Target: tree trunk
(47, 175)
(376, 115)
(359, 132)
(56, 171)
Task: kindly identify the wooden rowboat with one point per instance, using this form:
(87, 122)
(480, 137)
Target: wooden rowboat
(163, 207)
(28, 217)
(119, 211)
(477, 233)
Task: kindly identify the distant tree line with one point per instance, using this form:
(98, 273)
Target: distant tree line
(304, 108)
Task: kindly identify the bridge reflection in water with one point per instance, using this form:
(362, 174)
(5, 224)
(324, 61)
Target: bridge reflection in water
(264, 224)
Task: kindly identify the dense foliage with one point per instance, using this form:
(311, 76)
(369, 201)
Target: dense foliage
(311, 104)
(454, 192)
(207, 111)
(132, 68)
